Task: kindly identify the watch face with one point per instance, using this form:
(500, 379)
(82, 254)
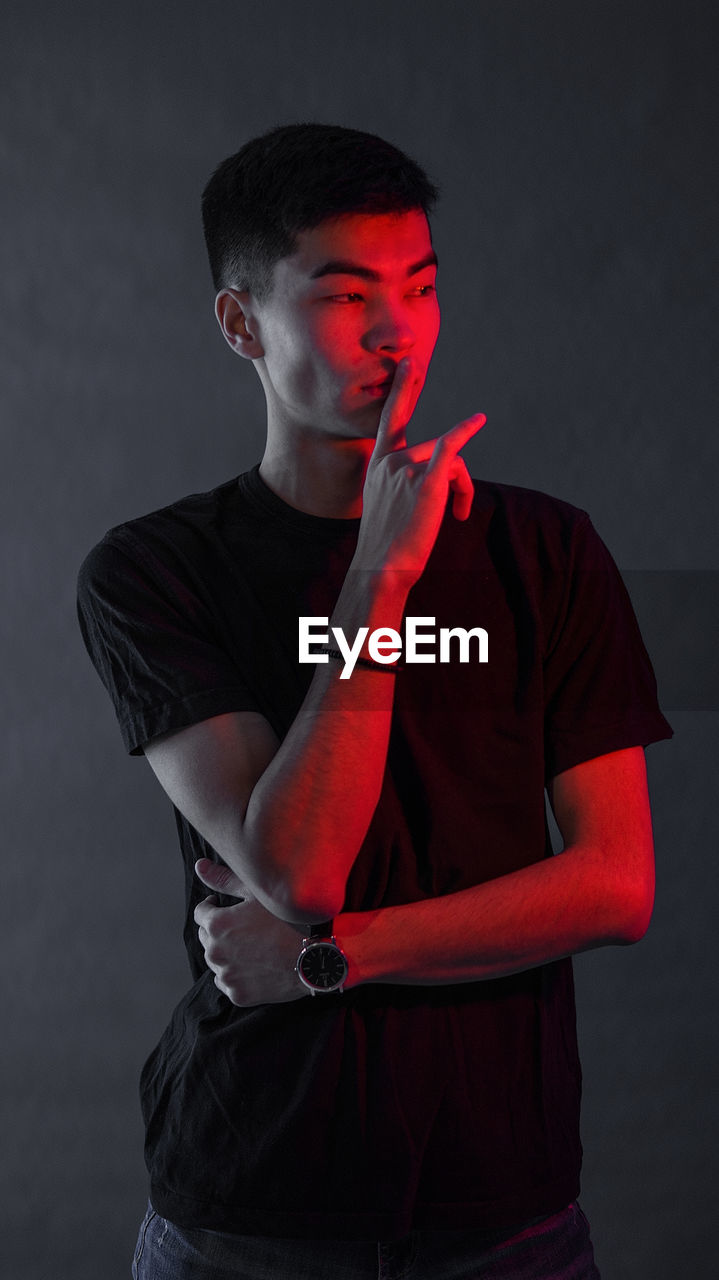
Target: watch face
(323, 966)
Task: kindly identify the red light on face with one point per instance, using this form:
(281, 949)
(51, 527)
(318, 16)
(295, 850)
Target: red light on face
(356, 297)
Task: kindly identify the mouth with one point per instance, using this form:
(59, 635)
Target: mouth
(379, 388)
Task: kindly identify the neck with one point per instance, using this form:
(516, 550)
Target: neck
(321, 476)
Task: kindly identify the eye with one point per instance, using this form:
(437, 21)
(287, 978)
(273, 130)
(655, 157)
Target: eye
(424, 290)
(346, 297)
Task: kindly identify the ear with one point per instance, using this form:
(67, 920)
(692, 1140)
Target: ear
(238, 324)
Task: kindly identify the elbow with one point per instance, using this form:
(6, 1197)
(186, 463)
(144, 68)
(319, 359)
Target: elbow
(623, 892)
(634, 911)
(635, 926)
(303, 895)
(304, 902)
(308, 908)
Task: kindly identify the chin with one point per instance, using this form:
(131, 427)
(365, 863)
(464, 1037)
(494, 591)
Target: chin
(365, 425)
(360, 422)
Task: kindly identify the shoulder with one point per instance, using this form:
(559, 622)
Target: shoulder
(170, 532)
(521, 530)
(527, 508)
(193, 511)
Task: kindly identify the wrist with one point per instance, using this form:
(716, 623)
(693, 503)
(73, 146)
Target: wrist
(322, 966)
(369, 599)
(369, 663)
(359, 934)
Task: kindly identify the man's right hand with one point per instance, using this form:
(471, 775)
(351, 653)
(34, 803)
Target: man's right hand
(406, 487)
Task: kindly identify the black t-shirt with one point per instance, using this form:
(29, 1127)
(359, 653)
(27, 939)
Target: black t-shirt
(366, 1114)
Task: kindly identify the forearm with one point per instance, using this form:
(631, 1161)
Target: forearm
(554, 908)
(310, 810)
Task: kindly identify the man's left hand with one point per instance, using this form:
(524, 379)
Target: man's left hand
(251, 953)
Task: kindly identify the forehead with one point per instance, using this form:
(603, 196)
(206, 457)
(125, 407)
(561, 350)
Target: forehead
(385, 242)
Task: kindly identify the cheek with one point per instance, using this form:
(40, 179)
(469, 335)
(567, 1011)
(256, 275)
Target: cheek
(308, 374)
(331, 332)
(430, 329)
(333, 350)
(289, 361)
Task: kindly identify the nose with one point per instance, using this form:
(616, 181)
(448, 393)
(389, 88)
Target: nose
(391, 331)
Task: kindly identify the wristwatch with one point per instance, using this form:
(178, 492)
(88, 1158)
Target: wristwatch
(322, 964)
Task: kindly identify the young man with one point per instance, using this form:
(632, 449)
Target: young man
(378, 827)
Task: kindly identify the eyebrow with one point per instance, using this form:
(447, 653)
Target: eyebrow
(343, 267)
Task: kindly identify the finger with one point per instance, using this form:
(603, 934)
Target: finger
(397, 411)
(449, 445)
(204, 910)
(462, 488)
(423, 450)
(219, 877)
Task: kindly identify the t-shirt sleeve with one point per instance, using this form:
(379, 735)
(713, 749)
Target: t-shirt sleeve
(600, 690)
(154, 642)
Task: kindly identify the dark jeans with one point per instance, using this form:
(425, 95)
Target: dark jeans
(557, 1248)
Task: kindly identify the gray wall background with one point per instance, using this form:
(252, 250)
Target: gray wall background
(576, 235)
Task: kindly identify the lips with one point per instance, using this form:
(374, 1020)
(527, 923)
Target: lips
(384, 383)
(377, 390)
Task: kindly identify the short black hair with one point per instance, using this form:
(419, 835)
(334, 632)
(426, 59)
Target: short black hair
(292, 179)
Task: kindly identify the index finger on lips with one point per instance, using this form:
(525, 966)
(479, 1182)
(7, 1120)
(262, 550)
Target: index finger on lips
(392, 430)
